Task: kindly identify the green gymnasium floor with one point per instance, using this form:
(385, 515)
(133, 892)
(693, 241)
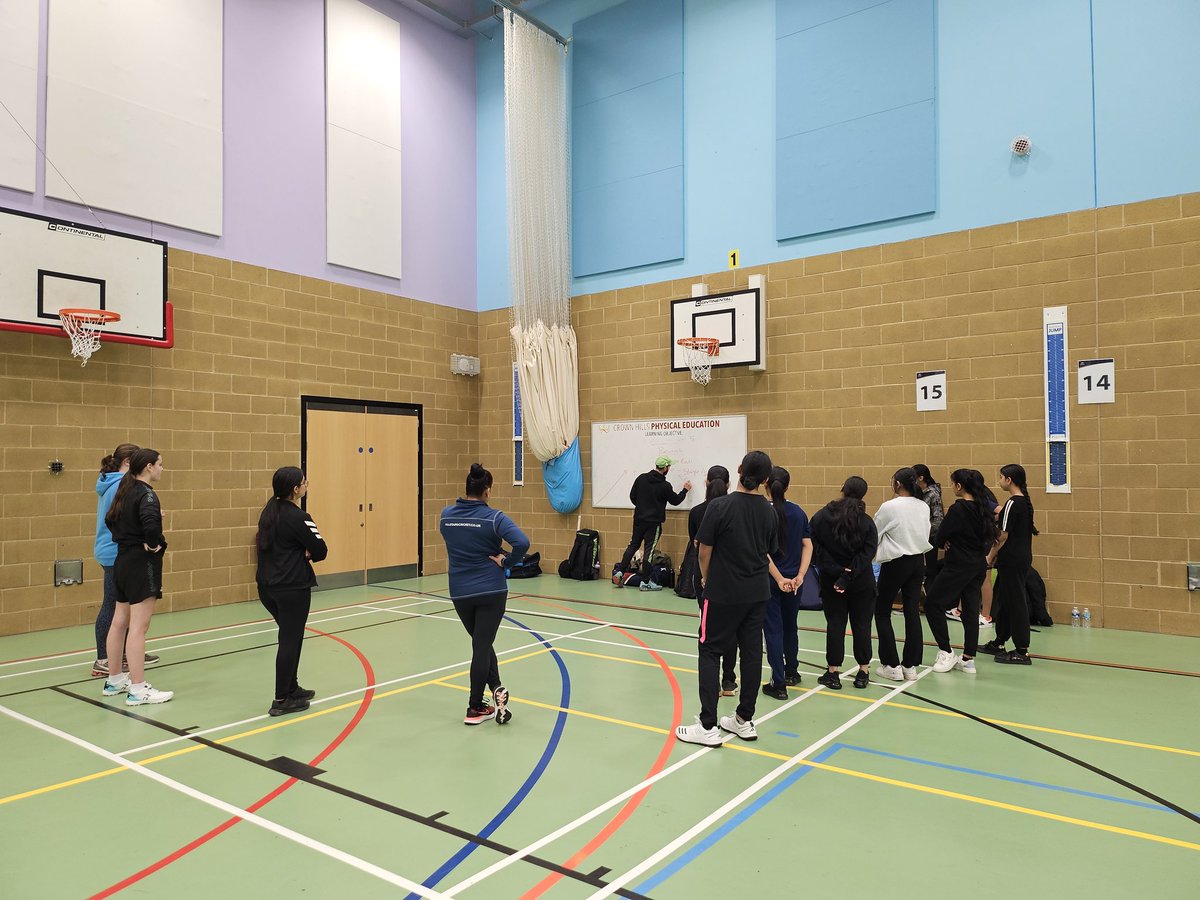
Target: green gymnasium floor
(1077, 777)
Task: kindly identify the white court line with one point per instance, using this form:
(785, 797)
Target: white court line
(713, 817)
(228, 637)
(344, 694)
(296, 837)
(620, 798)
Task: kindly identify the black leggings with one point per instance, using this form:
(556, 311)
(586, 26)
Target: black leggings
(645, 535)
(856, 603)
(905, 575)
(952, 582)
(289, 608)
(481, 616)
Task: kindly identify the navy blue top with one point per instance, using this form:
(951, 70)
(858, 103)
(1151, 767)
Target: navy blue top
(473, 531)
(791, 550)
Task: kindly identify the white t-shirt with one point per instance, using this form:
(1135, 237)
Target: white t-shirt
(903, 526)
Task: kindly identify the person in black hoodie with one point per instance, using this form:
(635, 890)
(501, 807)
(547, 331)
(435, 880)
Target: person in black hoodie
(844, 544)
(135, 520)
(288, 543)
(1012, 557)
(650, 494)
(966, 534)
(716, 484)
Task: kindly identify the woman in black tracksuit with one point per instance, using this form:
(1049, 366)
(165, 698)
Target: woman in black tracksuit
(966, 534)
(288, 543)
(844, 544)
(716, 484)
(1012, 557)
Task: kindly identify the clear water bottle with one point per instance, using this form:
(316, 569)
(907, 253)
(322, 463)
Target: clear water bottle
(1074, 616)
(1087, 618)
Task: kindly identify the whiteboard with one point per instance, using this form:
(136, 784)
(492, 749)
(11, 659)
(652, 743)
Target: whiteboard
(623, 450)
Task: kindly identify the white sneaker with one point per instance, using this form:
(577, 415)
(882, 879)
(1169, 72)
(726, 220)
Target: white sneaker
(147, 695)
(984, 621)
(745, 730)
(954, 615)
(119, 686)
(892, 672)
(910, 673)
(965, 665)
(698, 734)
(945, 661)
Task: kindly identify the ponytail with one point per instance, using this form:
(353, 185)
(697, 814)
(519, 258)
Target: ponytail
(479, 480)
(716, 488)
(112, 462)
(778, 485)
(283, 484)
(907, 479)
(1017, 474)
(971, 481)
(847, 513)
(754, 470)
(139, 461)
(922, 471)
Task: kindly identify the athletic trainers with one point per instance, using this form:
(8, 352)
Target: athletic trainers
(745, 730)
(945, 661)
(1014, 658)
(698, 734)
(618, 579)
(861, 679)
(287, 705)
(649, 586)
(500, 698)
(482, 714)
(120, 686)
(299, 693)
(965, 665)
(147, 694)
(892, 673)
(910, 673)
(831, 680)
(954, 615)
(151, 659)
(775, 691)
(993, 647)
(100, 666)
(728, 688)
(985, 621)
(791, 679)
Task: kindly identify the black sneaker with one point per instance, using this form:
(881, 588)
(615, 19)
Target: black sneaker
(728, 688)
(777, 691)
(831, 680)
(861, 680)
(993, 647)
(288, 705)
(791, 679)
(299, 693)
(1014, 658)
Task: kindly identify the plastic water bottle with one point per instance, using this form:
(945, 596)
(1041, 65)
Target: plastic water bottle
(1074, 616)
(1087, 618)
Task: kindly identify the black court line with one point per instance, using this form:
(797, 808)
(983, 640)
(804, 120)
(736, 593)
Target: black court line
(304, 773)
(1187, 814)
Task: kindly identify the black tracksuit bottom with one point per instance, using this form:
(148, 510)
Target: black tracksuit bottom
(857, 604)
(956, 579)
(645, 535)
(481, 616)
(1010, 605)
(289, 608)
(724, 629)
(904, 575)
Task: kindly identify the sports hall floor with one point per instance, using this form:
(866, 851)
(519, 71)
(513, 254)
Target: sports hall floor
(1077, 777)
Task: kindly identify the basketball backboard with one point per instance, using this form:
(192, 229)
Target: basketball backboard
(48, 264)
(735, 319)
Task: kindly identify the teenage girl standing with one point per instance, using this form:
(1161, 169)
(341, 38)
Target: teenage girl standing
(966, 535)
(903, 527)
(844, 543)
(1012, 557)
(795, 553)
(931, 492)
(716, 484)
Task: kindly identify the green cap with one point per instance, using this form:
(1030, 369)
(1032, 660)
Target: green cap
(662, 462)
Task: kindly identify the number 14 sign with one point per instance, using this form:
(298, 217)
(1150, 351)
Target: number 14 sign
(1097, 381)
(931, 390)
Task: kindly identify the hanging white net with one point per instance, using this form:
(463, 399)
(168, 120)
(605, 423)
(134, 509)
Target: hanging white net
(539, 245)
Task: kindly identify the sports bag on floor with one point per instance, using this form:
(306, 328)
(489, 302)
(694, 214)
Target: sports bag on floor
(583, 562)
(529, 567)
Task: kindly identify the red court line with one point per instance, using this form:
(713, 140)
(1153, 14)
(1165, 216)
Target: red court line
(630, 805)
(262, 801)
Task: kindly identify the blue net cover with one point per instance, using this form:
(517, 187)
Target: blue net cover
(564, 479)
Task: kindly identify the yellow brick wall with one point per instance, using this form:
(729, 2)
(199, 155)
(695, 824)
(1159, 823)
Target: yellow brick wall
(848, 331)
(223, 408)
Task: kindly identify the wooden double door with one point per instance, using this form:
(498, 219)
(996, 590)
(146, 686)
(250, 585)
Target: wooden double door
(363, 466)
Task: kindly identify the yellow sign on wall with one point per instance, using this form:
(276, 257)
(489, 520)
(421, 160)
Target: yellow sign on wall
(735, 258)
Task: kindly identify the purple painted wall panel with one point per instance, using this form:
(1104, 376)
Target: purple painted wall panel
(275, 153)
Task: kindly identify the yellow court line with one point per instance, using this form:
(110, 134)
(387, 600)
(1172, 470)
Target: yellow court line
(575, 712)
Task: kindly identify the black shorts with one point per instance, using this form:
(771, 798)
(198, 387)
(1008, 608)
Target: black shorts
(138, 575)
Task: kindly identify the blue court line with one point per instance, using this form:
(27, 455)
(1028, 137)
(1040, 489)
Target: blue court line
(523, 791)
(787, 734)
(696, 849)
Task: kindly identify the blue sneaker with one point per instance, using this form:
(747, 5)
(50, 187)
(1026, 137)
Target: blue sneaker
(649, 586)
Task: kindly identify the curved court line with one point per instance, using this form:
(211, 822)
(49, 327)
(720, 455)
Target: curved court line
(183, 851)
(635, 801)
(523, 791)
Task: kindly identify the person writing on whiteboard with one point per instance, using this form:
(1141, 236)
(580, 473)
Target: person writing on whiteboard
(650, 494)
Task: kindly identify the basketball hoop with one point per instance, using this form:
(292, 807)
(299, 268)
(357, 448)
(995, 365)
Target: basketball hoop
(698, 354)
(84, 326)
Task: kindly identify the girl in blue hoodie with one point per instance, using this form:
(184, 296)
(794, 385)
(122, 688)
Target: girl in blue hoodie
(112, 468)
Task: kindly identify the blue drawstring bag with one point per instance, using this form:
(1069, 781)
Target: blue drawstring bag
(564, 479)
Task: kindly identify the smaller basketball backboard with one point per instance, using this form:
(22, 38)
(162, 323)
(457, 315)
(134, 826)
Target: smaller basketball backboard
(734, 319)
(47, 265)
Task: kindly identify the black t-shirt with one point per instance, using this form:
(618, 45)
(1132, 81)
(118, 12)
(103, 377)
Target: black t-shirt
(740, 528)
(1017, 520)
(695, 517)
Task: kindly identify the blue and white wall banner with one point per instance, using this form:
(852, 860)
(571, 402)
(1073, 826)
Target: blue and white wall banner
(1058, 426)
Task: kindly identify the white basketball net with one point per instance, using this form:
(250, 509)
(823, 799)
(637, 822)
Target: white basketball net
(699, 360)
(538, 181)
(84, 332)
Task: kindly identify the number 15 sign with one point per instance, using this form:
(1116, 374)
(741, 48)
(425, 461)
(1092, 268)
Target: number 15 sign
(931, 390)
(1097, 381)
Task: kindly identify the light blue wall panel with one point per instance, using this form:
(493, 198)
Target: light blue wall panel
(796, 15)
(630, 223)
(626, 46)
(870, 169)
(628, 134)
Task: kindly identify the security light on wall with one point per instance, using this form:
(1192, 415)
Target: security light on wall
(464, 365)
(1021, 145)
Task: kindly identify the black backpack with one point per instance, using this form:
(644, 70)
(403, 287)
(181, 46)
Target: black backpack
(688, 583)
(1035, 593)
(583, 562)
(529, 567)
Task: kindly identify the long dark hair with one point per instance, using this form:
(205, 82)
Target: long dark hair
(139, 461)
(922, 471)
(718, 482)
(112, 462)
(778, 485)
(283, 483)
(907, 477)
(1017, 474)
(971, 481)
(479, 480)
(755, 469)
(847, 511)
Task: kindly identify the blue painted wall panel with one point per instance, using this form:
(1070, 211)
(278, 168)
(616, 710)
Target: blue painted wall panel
(628, 134)
(626, 46)
(866, 170)
(628, 224)
(796, 15)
